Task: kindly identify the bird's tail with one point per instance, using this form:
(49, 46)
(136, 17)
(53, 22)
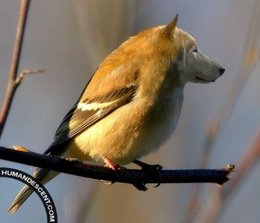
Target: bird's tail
(43, 176)
(21, 197)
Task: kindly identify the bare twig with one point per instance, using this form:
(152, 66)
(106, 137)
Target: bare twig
(250, 59)
(194, 203)
(247, 163)
(130, 176)
(219, 197)
(14, 80)
(20, 77)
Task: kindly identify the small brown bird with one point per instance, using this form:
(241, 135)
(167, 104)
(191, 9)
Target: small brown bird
(132, 103)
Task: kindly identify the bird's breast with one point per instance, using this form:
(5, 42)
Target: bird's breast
(161, 122)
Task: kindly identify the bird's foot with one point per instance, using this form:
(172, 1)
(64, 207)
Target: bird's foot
(111, 165)
(149, 168)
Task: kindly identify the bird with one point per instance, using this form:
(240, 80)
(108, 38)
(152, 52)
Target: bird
(132, 103)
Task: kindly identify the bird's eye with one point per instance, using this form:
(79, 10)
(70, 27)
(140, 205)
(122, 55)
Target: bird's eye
(195, 50)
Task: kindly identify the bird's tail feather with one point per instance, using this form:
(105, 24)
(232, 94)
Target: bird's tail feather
(20, 198)
(43, 176)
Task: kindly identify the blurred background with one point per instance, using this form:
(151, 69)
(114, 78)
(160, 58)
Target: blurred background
(219, 123)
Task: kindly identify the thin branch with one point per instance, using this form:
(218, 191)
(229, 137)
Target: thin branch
(245, 165)
(12, 80)
(19, 78)
(194, 205)
(131, 176)
(214, 127)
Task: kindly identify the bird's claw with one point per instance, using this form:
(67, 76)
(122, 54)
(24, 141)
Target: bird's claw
(140, 186)
(148, 168)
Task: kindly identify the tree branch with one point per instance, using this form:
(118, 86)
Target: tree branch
(131, 176)
(12, 80)
(219, 198)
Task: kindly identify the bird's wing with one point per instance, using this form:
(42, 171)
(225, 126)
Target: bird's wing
(88, 111)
